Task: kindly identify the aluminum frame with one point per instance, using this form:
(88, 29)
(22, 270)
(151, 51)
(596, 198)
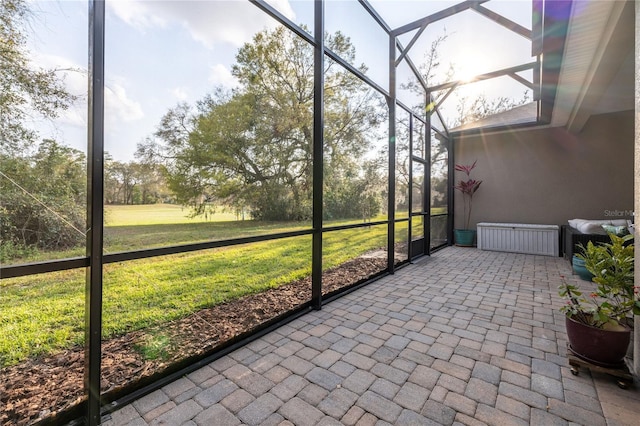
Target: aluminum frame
(95, 208)
(95, 257)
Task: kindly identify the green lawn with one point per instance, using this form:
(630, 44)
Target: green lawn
(159, 214)
(44, 313)
(157, 225)
(123, 238)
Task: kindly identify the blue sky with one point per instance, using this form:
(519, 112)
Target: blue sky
(163, 52)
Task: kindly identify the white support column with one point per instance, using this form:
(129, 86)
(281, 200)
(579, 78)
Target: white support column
(636, 334)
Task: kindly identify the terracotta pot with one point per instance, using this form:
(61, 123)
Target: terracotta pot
(606, 348)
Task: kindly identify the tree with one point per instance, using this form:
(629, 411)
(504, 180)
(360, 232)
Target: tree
(253, 146)
(356, 195)
(134, 183)
(42, 183)
(153, 184)
(43, 198)
(23, 89)
(430, 67)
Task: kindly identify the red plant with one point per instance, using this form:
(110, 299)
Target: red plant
(465, 168)
(467, 187)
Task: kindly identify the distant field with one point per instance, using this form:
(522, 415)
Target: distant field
(157, 225)
(135, 237)
(155, 214)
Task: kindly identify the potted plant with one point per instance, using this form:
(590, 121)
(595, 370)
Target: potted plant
(597, 326)
(577, 263)
(468, 187)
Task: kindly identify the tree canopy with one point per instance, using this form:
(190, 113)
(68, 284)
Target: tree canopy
(253, 146)
(42, 183)
(24, 89)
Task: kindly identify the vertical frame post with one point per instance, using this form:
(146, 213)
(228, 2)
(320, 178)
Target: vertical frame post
(318, 154)
(450, 191)
(95, 174)
(391, 101)
(410, 189)
(427, 178)
(410, 195)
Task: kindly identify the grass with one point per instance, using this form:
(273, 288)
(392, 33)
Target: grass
(42, 314)
(159, 214)
(123, 238)
(155, 346)
(157, 225)
(39, 314)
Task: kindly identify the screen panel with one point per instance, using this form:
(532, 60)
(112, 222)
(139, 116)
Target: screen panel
(438, 231)
(43, 131)
(417, 227)
(214, 144)
(164, 310)
(439, 174)
(356, 161)
(41, 345)
(352, 255)
(402, 164)
(418, 188)
(366, 46)
(401, 241)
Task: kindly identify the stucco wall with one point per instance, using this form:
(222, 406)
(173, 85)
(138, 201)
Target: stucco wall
(548, 176)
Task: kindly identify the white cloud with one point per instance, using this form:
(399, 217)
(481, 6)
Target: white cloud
(208, 22)
(118, 106)
(136, 14)
(180, 93)
(220, 75)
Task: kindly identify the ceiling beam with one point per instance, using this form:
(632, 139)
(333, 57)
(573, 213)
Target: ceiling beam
(375, 15)
(444, 13)
(521, 80)
(487, 76)
(446, 95)
(507, 23)
(421, 24)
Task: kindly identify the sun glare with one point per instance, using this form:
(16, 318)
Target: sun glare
(467, 66)
(465, 74)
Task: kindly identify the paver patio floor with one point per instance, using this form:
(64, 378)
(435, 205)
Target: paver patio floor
(464, 337)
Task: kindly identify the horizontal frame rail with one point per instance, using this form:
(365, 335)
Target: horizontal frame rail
(43, 267)
(82, 262)
(355, 225)
(486, 76)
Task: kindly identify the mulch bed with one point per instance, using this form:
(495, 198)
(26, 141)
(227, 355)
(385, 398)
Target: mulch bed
(38, 389)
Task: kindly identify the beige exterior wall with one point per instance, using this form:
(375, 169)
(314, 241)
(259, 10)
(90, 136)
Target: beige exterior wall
(548, 176)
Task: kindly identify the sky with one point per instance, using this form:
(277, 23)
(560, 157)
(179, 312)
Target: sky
(160, 53)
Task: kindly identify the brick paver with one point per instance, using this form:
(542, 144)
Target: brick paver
(463, 337)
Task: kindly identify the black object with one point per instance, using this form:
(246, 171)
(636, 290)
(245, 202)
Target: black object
(572, 238)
